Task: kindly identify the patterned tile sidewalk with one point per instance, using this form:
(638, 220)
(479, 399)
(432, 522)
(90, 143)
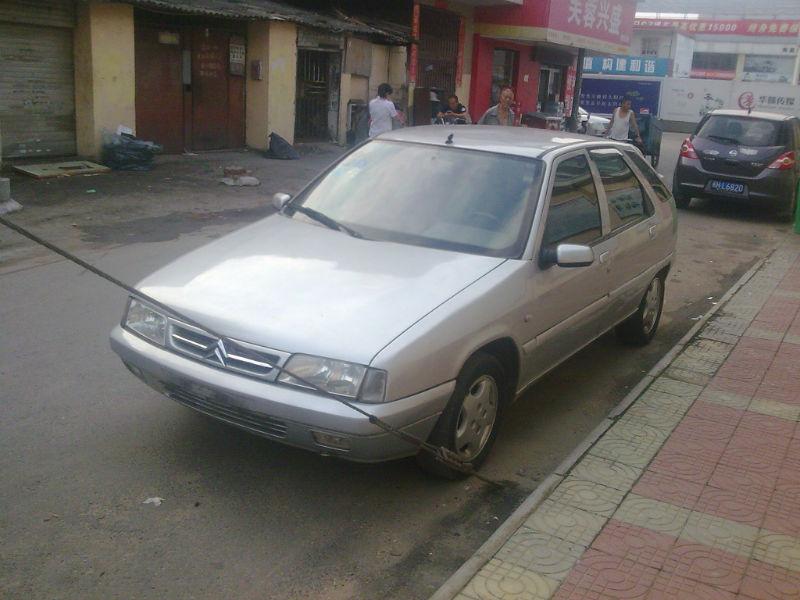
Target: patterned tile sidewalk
(694, 491)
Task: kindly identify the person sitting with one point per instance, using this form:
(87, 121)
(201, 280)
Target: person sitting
(455, 114)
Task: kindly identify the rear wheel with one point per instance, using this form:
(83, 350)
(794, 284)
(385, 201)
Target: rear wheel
(681, 199)
(640, 327)
(790, 210)
(468, 425)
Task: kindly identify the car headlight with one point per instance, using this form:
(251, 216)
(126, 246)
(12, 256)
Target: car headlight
(337, 377)
(146, 322)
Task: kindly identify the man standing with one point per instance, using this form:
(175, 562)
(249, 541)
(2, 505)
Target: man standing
(623, 120)
(382, 111)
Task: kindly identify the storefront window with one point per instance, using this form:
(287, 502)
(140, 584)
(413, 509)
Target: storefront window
(504, 64)
(550, 84)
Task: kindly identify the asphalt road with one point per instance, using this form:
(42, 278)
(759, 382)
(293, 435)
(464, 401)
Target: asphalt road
(83, 445)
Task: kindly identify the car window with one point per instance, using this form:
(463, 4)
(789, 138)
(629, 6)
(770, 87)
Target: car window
(627, 201)
(425, 195)
(649, 174)
(743, 131)
(574, 215)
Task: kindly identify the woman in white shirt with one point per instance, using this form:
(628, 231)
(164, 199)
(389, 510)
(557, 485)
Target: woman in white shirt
(382, 111)
(622, 121)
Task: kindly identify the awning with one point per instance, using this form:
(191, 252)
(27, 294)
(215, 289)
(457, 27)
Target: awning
(269, 10)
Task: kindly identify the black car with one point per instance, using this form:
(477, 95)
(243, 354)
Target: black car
(741, 155)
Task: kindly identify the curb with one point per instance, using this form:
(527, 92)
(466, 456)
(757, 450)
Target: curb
(458, 580)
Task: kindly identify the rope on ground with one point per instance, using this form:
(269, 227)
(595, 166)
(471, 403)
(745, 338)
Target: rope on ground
(444, 455)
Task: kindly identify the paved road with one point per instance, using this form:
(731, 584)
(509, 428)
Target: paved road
(83, 444)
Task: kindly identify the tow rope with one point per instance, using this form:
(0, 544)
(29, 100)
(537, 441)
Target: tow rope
(443, 455)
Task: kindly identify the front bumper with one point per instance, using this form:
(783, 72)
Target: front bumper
(282, 413)
(770, 186)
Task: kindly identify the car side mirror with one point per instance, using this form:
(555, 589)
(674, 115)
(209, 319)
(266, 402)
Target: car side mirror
(280, 200)
(567, 255)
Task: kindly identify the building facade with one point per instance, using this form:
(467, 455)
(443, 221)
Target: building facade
(189, 75)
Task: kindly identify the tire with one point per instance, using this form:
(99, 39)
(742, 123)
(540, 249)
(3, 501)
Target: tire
(640, 327)
(681, 199)
(482, 381)
(788, 214)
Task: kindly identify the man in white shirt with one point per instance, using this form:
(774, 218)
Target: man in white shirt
(382, 111)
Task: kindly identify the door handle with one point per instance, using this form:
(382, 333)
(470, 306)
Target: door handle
(652, 231)
(604, 257)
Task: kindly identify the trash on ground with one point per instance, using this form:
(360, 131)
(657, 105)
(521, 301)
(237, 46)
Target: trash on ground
(9, 206)
(124, 152)
(61, 169)
(122, 129)
(91, 191)
(240, 181)
(155, 501)
(281, 149)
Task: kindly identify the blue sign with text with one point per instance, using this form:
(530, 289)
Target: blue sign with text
(604, 95)
(627, 65)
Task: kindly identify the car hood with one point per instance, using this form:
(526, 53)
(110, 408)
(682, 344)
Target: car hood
(298, 287)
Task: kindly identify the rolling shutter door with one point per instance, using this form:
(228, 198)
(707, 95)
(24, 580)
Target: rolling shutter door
(37, 89)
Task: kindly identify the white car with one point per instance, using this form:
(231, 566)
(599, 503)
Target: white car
(593, 124)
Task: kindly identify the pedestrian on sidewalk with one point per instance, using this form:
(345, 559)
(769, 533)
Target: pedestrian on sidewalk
(382, 111)
(500, 113)
(623, 121)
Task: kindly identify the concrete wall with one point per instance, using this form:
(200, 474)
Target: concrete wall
(104, 73)
(270, 102)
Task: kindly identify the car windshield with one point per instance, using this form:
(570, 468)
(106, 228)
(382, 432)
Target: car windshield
(446, 198)
(741, 131)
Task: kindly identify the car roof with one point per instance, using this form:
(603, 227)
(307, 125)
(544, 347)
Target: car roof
(727, 112)
(515, 141)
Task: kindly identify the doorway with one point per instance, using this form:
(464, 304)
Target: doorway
(313, 93)
(190, 82)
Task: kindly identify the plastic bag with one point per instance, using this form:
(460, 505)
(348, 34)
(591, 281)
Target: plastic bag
(281, 149)
(124, 152)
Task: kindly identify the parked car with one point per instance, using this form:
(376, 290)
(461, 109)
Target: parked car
(738, 155)
(593, 124)
(430, 277)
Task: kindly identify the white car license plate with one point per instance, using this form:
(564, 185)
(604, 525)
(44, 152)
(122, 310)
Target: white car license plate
(727, 186)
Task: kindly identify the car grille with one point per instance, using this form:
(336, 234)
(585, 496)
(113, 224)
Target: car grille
(233, 355)
(220, 409)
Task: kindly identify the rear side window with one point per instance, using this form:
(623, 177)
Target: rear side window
(743, 131)
(627, 202)
(651, 176)
(574, 215)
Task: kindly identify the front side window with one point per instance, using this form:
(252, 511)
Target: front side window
(627, 202)
(574, 214)
(434, 196)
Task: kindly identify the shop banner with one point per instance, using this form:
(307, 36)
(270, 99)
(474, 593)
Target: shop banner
(627, 65)
(609, 21)
(767, 27)
(604, 95)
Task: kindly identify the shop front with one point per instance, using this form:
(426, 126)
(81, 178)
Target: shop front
(534, 47)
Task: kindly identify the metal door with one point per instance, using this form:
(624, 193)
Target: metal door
(37, 90)
(159, 87)
(210, 106)
(313, 73)
(438, 49)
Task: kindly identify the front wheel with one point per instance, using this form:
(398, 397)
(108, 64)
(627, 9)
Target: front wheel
(468, 425)
(640, 327)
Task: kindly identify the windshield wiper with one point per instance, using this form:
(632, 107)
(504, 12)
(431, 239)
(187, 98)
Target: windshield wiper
(329, 222)
(724, 139)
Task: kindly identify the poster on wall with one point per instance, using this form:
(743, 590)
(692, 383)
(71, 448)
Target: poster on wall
(604, 95)
(779, 69)
(690, 99)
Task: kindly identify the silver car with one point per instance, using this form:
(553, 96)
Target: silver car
(428, 278)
